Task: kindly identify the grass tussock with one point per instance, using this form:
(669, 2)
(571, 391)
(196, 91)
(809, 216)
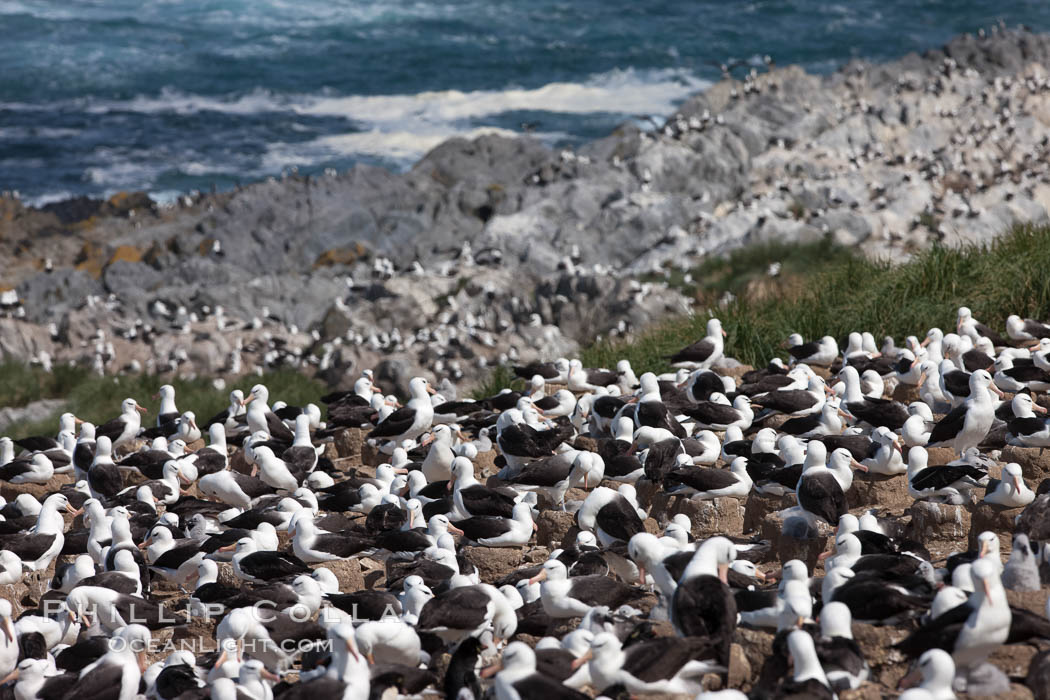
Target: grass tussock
(836, 292)
(97, 399)
(747, 271)
(498, 379)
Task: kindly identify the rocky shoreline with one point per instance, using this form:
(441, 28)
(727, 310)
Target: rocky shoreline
(502, 249)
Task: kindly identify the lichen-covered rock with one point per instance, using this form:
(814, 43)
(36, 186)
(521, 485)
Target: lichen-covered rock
(554, 528)
(39, 491)
(791, 539)
(372, 456)
(880, 490)
(987, 516)
(348, 443)
(758, 506)
(644, 490)
(347, 572)
(739, 667)
(757, 646)
(876, 643)
(1033, 520)
(1034, 462)
(868, 691)
(905, 393)
(721, 516)
(940, 455)
(494, 563)
(239, 463)
(937, 521)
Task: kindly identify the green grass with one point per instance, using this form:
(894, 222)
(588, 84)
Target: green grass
(97, 399)
(499, 378)
(839, 293)
(743, 268)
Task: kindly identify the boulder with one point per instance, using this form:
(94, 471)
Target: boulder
(905, 393)
(493, 563)
(198, 631)
(876, 644)
(555, 528)
(238, 463)
(39, 491)
(870, 490)
(772, 421)
(372, 456)
(21, 596)
(226, 575)
(1033, 520)
(757, 646)
(1034, 462)
(348, 443)
(728, 367)
(374, 573)
(1032, 601)
(485, 463)
(758, 506)
(347, 572)
(330, 451)
(988, 516)
(940, 455)
(937, 521)
(721, 516)
(791, 538)
(645, 490)
(739, 667)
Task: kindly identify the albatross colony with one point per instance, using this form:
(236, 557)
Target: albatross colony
(860, 517)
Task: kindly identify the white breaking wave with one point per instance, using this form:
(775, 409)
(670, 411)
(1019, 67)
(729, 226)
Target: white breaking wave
(402, 147)
(402, 128)
(618, 92)
(395, 129)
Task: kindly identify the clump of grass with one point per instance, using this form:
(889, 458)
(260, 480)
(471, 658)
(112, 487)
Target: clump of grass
(24, 383)
(846, 293)
(500, 378)
(97, 399)
(742, 269)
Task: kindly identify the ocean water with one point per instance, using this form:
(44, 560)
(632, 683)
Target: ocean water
(170, 96)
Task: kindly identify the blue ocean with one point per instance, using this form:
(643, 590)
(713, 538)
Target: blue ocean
(170, 96)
